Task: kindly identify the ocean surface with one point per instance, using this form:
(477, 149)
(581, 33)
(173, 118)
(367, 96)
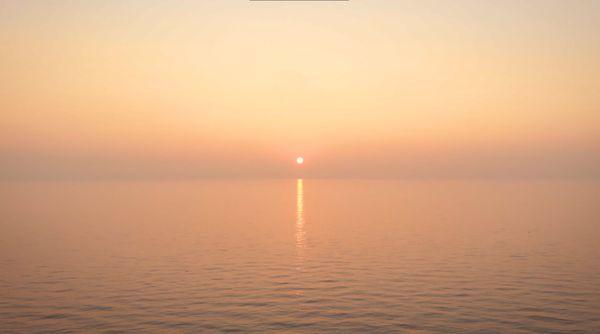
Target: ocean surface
(364, 256)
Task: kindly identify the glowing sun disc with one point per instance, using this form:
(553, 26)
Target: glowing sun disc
(299, 160)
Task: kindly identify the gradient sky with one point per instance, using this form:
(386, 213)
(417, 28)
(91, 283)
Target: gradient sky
(365, 88)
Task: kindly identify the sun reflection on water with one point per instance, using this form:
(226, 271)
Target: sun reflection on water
(300, 233)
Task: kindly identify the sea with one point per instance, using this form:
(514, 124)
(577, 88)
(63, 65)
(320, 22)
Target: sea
(300, 255)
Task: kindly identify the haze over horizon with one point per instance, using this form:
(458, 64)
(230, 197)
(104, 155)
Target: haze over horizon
(143, 89)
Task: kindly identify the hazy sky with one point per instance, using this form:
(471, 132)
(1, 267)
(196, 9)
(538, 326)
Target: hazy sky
(370, 88)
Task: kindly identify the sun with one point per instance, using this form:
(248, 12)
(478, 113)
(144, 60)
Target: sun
(299, 160)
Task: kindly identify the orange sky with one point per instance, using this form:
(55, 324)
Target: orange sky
(368, 88)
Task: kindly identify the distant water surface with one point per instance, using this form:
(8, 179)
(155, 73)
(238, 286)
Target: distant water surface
(300, 256)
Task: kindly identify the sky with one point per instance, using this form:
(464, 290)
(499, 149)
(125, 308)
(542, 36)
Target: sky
(363, 88)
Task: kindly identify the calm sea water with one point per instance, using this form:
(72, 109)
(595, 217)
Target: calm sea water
(300, 255)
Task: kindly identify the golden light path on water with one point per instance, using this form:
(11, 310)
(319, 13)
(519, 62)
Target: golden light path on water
(300, 232)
